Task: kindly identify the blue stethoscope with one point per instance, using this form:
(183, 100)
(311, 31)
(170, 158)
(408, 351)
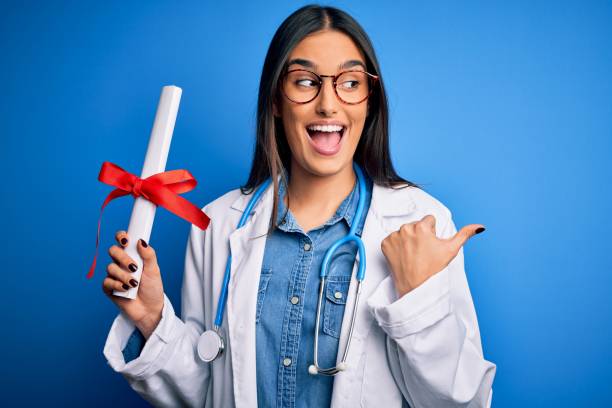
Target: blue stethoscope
(211, 343)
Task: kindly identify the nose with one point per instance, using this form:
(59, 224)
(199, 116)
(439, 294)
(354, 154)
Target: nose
(326, 102)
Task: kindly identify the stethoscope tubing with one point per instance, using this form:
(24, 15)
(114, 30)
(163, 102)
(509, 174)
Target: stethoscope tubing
(352, 236)
(228, 266)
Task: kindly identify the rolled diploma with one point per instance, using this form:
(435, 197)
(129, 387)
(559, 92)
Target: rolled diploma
(143, 213)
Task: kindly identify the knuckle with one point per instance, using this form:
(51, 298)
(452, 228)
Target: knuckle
(107, 284)
(384, 243)
(423, 226)
(407, 229)
(114, 271)
(114, 251)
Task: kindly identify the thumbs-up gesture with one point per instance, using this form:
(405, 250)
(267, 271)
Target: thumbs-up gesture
(414, 252)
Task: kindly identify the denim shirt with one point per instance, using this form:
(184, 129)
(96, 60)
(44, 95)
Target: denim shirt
(287, 304)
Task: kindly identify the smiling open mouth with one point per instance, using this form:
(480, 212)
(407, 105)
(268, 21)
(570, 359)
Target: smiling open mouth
(326, 138)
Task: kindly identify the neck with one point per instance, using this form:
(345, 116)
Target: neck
(314, 199)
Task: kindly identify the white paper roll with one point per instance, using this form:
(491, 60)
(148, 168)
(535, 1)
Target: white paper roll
(143, 213)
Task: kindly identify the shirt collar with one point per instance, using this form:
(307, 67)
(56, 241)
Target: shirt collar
(346, 210)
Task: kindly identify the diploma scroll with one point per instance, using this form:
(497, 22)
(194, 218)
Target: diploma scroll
(143, 212)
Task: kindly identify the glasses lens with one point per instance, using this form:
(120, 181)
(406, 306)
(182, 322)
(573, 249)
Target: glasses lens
(301, 86)
(353, 86)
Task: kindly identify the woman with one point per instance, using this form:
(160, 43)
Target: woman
(322, 118)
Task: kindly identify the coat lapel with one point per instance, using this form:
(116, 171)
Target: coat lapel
(386, 204)
(247, 246)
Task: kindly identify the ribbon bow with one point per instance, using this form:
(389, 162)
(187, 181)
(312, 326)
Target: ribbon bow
(161, 189)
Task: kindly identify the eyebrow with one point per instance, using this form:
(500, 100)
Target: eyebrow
(351, 64)
(309, 64)
(303, 62)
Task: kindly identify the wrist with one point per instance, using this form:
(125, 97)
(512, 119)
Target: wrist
(401, 286)
(148, 324)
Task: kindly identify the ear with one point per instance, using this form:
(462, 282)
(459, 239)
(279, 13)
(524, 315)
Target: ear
(275, 110)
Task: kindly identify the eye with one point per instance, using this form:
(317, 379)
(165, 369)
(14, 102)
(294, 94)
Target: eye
(349, 85)
(306, 83)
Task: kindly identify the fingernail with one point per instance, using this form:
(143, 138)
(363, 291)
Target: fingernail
(479, 230)
(126, 287)
(123, 241)
(133, 267)
(133, 282)
(144, 244)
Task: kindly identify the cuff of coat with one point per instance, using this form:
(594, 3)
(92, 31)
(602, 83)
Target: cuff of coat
(418, 309)
(155, 353)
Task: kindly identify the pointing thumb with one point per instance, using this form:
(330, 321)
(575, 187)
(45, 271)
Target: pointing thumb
(464, 234)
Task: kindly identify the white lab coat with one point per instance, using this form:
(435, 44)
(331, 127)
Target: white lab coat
(423, 347)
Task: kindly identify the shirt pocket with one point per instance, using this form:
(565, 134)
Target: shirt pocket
(335, 301)
(266, 274)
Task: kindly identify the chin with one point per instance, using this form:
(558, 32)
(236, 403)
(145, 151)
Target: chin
(326, 166)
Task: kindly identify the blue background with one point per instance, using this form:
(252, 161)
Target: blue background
(502, 110)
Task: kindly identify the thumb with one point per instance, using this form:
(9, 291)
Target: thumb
(464, 234)
(147, 253)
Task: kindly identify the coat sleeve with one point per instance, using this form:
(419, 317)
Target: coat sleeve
(168, 371)
(433, 341)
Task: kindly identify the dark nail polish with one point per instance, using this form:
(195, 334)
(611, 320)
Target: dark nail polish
(126, 287)
(133, 282)
(144, 244)
(479, 230)
(124, 241)
(133, 267)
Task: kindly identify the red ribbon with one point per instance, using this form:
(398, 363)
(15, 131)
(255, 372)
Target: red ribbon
(161, 189)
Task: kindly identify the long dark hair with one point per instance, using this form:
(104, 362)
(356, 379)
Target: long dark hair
(272, 156)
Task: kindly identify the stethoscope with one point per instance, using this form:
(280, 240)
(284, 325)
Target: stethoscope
(211, 343)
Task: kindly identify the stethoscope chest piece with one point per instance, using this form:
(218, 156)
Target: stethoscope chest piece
(210, 345)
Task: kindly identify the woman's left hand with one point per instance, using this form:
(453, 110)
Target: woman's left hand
(414, 252)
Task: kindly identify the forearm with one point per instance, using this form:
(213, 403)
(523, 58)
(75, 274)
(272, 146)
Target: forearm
(434, 343)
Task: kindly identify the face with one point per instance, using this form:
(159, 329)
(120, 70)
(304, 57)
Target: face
(323, 134)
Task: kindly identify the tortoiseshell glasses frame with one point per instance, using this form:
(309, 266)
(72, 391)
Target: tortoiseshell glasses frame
(311, 94)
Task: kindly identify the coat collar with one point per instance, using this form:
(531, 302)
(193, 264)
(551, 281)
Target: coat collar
(386, 201)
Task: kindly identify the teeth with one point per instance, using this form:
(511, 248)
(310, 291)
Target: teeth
(325, 128)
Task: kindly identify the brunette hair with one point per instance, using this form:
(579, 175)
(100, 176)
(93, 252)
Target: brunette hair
(272, 156)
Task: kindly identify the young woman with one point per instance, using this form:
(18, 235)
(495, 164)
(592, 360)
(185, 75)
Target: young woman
(284, 336)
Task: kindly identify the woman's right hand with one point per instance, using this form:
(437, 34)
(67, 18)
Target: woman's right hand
(146, 309)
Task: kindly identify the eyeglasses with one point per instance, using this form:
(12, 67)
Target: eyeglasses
(351, 87)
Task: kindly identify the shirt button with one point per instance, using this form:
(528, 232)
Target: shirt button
(338, 295)
(287, 362)
(295, 300)
(307, 247)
